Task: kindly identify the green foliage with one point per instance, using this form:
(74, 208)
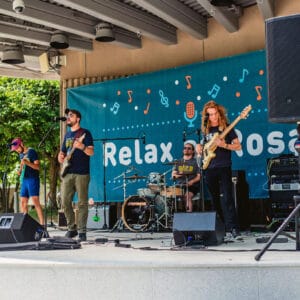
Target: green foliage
(27, 110)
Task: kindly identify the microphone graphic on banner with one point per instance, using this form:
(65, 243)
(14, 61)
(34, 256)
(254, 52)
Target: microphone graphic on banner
(190, 113)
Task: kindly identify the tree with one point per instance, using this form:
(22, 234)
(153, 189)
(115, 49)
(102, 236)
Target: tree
(27, 110)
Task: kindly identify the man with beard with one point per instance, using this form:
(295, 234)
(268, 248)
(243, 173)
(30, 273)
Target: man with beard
(77, 147)
(187, 174)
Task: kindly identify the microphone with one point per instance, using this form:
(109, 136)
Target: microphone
(184, 135)
(206, 119)
(63, 119)
(11, 144)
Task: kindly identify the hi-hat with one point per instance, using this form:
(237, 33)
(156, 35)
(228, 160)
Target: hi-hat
(174, 162)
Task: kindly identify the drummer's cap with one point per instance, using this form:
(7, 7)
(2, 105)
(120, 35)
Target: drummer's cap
(191, 142)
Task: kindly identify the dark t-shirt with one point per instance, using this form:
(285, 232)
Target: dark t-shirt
(188, 167)
(223, 156)
(80, 162)
(32, 156)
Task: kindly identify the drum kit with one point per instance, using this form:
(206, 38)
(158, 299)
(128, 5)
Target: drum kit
(153, 207)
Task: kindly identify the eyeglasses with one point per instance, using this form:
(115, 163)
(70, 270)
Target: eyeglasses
(188, 148)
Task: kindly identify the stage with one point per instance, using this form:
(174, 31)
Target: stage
(144, 265)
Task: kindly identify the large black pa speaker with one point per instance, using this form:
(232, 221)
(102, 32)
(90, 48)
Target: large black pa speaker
(19, 228)
(204, 228)
(283, 66)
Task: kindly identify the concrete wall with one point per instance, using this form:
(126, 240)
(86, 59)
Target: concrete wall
(111, 60)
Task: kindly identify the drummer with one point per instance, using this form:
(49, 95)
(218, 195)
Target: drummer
(187, 173)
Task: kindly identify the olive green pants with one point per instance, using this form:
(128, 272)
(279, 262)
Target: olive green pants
(72, 183)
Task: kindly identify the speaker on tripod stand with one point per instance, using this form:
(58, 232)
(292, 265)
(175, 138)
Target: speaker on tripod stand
(283, 64)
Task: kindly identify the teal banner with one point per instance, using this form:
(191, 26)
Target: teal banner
(139, 123)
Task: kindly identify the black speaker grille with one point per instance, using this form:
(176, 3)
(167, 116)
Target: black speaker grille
(205, 228)
(283, 66)
(20, 228)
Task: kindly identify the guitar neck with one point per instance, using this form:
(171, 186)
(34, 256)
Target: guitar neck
(227, 129)
(68, 157)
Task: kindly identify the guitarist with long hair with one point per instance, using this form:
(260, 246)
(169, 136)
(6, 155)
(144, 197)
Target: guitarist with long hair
(216, 154)
(76, 150)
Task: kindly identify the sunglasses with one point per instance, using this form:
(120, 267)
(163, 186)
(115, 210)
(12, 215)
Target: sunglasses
(70, 115)
(188, 148)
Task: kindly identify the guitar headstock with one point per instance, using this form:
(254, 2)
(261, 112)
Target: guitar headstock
(244, 114)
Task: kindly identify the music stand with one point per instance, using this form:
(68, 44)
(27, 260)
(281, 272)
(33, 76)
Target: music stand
(104, 141)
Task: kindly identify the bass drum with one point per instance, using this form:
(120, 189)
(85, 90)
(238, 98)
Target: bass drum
(136, 213)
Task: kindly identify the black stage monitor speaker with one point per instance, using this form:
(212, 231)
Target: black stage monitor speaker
(19, 228)
(204, 228)
(283, 66)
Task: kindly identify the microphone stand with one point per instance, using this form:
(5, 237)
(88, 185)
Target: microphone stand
(4, 180)
(201, 182)
(42, 142)
(199, 161)
(104, 141)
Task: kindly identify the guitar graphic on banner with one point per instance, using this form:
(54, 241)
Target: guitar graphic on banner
(210, 147)
(66, 164)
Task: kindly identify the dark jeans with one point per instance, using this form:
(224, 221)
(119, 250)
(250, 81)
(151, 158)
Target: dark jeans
(219, 182)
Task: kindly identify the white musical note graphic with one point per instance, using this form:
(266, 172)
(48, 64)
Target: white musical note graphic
(115, 108)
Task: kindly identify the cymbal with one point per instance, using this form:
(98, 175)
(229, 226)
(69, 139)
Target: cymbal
(186, 174)
(134, 177)
(174, 162)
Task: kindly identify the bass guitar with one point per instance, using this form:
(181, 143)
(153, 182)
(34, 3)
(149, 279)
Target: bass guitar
(210, 147)
(66, 164)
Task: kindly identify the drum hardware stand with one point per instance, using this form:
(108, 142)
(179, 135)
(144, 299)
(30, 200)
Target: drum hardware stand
(165, 214)
(104, 141)
(119, 225)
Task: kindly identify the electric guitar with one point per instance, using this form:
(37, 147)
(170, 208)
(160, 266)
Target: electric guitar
(66, 163)
(210, 147)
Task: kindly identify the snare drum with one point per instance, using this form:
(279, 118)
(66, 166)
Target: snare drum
(172, 192)
(136, 213)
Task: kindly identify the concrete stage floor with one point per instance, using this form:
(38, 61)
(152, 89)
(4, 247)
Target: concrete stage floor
(152, 267)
